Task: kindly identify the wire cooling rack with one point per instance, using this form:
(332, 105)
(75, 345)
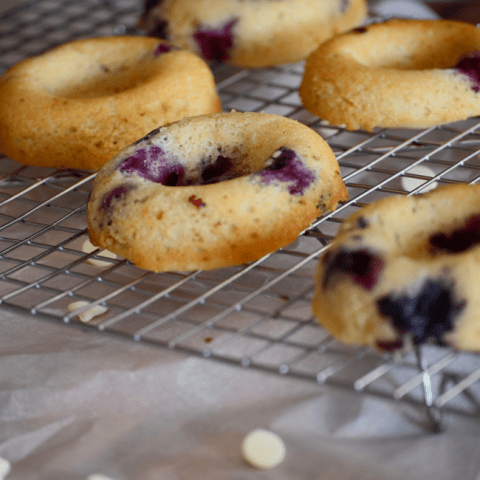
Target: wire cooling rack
(257, 315)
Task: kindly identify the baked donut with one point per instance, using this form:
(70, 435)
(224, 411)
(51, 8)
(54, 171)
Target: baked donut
(400, 73)
(405, 268)
(251, 33)
(212, 191)
(78, 104)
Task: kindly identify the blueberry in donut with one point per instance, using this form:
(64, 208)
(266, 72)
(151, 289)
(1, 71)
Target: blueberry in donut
(287, 167)
(361, 265)
(428, 315)
(470, 66)
(215, 44)
(153, 165)
(217, 170)
(459, 240)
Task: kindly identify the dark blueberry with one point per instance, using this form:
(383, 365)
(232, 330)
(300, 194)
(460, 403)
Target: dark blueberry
(160, 29)
(281, 159)
(116, 194)
(217, 171)
(470, 66)
(172, 179)
(361, 265)
(152, 164)
(215, 44)
(164, 48)
(390, 346)
(287, 167)
(362, 223)
(149, 4)
(360, 30)
(429, 314)
(459, 240)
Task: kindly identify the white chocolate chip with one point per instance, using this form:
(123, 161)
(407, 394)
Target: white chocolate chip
(263, 449)
(88, 247)
(5, 468)
(87, 315)
(410, 184)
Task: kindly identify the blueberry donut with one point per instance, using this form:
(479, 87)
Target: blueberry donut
(251, 33)
(212, 191)
(405, 268)
(401, 73)
(77, 105)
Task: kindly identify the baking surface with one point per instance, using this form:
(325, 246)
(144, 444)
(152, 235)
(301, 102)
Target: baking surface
(181, 367)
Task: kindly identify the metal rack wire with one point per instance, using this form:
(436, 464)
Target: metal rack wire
(257, 315)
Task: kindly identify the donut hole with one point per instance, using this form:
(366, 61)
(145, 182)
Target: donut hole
(102, 82)
(219, 164)
(159, 165)
(88, 71)
(407, 50)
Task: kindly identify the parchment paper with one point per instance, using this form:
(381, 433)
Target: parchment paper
(73, 403)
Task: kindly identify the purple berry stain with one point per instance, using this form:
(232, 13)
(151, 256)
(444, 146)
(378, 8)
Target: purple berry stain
(164, 48)
(470, 66)
(153, 165)
(286, 167)
(429, 314)
(361, 265)
(118, 193)
(215, 44)
(459, 240)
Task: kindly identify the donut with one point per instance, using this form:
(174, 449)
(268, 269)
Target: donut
(403, 271)
(213, 191)
(250, 33)
(400, 73)
(77, 105)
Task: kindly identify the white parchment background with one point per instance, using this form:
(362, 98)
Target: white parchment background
(74, 403)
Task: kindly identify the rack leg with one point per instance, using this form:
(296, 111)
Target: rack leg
(434, 415)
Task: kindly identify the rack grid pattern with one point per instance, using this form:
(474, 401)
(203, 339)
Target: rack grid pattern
(256, 315)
